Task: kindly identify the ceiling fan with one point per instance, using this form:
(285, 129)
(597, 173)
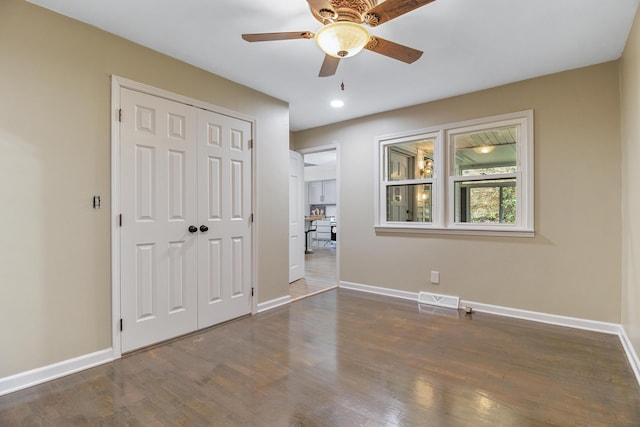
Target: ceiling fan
(343, 33)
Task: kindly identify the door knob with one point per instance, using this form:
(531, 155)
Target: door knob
(204, 228)
(193, 229)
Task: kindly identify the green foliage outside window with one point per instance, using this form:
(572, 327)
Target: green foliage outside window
(492, 205)
(508, 205)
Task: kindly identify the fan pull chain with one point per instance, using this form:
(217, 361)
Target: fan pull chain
(342, 86)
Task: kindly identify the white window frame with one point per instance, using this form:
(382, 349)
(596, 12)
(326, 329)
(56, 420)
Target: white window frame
(436, 216)
(444, 179)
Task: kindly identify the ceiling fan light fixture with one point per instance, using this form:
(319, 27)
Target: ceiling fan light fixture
(342, 39)
(337, 103)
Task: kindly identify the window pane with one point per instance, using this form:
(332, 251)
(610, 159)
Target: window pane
(486, 152)
(410, 160)
(488, 202)
(409, 203)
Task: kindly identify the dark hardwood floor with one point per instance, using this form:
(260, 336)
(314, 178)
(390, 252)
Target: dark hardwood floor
(319, 274)
(343, 358)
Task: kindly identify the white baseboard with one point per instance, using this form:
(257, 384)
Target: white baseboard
(56, 370)
(553, 319)
(413, 296)
(634, 361)
(271, 304)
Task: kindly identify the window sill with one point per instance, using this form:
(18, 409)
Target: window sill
(400, 230)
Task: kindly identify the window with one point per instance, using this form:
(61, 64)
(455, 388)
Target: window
(409, 177)
(474, 177)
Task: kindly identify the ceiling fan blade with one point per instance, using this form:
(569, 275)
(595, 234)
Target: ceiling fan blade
(394, 50)
(390, 9)
(329, 66)
(267, 37)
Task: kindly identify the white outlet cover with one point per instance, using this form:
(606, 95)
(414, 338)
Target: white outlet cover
(435, 277)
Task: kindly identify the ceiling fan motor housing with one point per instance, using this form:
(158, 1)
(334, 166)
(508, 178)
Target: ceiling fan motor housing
(345, 10)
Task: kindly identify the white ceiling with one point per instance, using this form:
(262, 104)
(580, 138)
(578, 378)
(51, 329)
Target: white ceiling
(322, 158)
(468, 45)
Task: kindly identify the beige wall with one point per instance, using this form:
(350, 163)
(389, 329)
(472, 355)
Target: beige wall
(571, 267)
(630, 112)
(55, 287)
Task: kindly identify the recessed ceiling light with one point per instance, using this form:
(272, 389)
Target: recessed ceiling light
(337, 103)
(484, 150)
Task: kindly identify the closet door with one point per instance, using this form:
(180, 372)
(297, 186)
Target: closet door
(224, 218)
(159, 205)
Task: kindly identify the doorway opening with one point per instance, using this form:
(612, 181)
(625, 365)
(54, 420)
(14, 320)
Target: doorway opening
(320, 211)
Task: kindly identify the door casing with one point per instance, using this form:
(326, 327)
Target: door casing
(117, 83)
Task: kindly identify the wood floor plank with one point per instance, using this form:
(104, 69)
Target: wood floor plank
(344, 358)
(319, 274)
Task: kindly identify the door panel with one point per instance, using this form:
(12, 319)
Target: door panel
(214, 254)
(177, 285)
(144, 281)
(237, 190)
(145, 176)
(237, 267)
(159, 255)
(177, 178)
(224, 200)
(214, 185)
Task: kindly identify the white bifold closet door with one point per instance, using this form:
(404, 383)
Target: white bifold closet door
(186, 230)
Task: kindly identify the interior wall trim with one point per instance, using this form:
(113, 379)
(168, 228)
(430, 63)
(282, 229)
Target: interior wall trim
(274, 303)
(552, 319)
(413, 296)
(634, 361)
(56, 370)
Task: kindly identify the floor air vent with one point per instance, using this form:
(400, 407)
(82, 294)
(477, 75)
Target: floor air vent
(447, 301)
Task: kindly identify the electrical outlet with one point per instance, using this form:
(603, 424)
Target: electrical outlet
(435, 277)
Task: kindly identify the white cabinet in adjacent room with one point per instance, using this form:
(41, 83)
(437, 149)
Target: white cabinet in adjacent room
(329, 192)
(322, 192)
(314, 189)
